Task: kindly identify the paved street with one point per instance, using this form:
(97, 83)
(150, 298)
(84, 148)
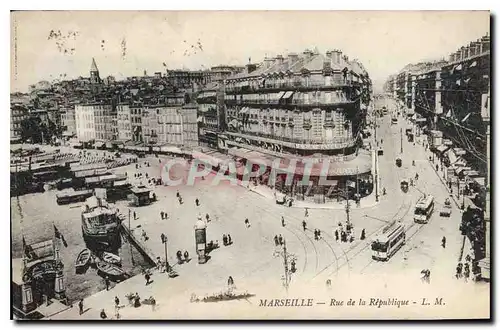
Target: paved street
(251, 257)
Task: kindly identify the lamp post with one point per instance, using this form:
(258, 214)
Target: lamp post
(164, 240)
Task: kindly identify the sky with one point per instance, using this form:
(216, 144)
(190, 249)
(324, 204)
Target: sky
(384, 41)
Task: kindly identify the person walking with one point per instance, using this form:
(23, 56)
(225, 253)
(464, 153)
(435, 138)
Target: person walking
(306, 212)
(106, 281)
(197, 202)
(443, 242)
(276, 240)
(282, 221)
(135, 216)
(103, 314)
(336, 235)
(224, 239)
(153, 303)
(80, 306)
(162, 214)
(363, 234)
(117, 302)
(229, 240)
(147, 277)
(280, 239)
(304, 225)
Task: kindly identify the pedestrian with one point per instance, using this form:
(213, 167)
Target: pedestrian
(336, 235)
(166, 215)
(106, 281)
(186, 255)
(247, 223)
(80, 306)
(459, 271)
(443, 242)
(316, 234)
(363, 234)
(178, 194)
(229, 241)
(147, 277)
(282, 221)
(152, 300)
(197, 202)
(117, 302)
(306, 212)
(280, 239)
(224, 239)
(135, 216)
(230, 282)
(276, 241)
(207, 217)
(304, 225)
(162, 214)
(103, 314)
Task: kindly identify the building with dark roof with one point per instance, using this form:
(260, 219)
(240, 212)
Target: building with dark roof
(309, 106)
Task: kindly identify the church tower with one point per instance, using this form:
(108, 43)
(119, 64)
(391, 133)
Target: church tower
(94, 73)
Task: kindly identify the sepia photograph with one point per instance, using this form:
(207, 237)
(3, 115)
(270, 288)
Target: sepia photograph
(250, 165)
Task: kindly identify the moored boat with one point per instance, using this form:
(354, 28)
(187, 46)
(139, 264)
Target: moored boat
(83, 259)
(100, 221)
(110, 269)
(111, 258)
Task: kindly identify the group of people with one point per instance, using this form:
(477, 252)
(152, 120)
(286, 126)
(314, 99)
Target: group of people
(278, 240)
(347, 234)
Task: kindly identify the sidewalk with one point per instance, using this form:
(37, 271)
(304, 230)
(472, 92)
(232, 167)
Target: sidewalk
(268, 193)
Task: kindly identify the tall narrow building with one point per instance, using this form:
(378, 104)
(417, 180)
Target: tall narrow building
(94, 73)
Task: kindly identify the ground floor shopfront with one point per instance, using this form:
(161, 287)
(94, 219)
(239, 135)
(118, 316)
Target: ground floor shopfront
(306, 179)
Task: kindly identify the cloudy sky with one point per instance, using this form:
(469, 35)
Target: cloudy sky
(127, 43)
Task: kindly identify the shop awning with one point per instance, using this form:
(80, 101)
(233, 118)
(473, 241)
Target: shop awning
(280, 95)
(244, 110)
(442, 148)
(99, 144)
(459, 151)
(209, 94)
(421, 120)
(460, 162)
(288, 94)
(471, 173)
(460, 169)
(480, 180)
(200, 119)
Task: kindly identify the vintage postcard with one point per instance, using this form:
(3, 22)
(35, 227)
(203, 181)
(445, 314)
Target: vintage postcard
(318, 165)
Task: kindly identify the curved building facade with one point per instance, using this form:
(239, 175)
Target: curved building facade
(307, 108)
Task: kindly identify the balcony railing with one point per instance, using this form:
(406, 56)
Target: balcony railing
(314, 143)
(295, 102)
(296, 85)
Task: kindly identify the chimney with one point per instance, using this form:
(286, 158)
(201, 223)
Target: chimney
(485, 44)
(279, 59)
(250, 68)
(268, 62)
(307, 54)
(292, 58)
(336, 56)
(452, 57)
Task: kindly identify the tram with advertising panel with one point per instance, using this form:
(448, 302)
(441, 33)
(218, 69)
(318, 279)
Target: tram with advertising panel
(423, 209)
(386, 244)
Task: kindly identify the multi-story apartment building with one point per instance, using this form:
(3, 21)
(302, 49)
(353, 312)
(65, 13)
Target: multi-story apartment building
(124, 122)
(303, 107)
(168, 124)
(68, 122)
(136, 122)
(221, 72)
(185, 79)
(94, 122)
(211, 114)
(17, 114)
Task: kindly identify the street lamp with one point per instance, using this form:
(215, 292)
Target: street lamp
(164, 240)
